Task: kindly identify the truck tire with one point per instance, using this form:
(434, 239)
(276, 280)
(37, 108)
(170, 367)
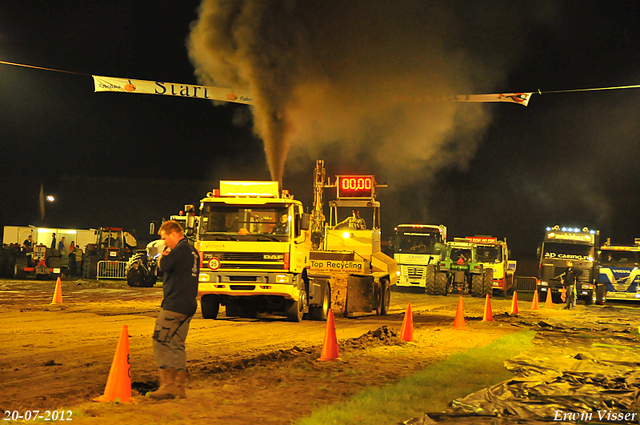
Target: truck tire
(322, 312)
(210, 306)
(441, 283)
(232, 310)
(295, 308)
(385, 297)
(430, 284)
(601, 294)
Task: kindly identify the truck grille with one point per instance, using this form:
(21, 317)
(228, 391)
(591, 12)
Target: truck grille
(416, 272)
(246, 260)
(252, 266)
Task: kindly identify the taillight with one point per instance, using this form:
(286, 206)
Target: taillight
(200, 253)
(286, 260)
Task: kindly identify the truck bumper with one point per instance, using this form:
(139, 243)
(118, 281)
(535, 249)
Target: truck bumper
(250, 285)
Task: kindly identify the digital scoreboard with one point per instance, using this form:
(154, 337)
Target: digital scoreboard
(354, 187)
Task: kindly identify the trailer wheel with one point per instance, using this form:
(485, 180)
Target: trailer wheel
(430, 284)
(322, 312)
(601, 294)
(441, 283)
(210, 306)
(295, 308)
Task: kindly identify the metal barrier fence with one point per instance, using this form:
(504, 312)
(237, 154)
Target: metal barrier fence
(525, 283)
(112, 270)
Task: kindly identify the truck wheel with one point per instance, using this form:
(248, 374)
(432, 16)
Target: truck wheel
(441, 283)
(591, 298)
(322, 312)
(210, 306)
(385, 297)
(295, 308)
(477, 285)
(430, 284)
(601, 294)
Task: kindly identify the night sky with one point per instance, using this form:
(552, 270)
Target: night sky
(341, 81)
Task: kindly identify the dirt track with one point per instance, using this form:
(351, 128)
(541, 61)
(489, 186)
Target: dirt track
(56, 356)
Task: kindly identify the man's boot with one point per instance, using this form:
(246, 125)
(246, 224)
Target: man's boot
(182, 377)
(167, 385)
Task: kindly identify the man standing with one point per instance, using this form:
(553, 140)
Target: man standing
(180, 265)
(570, 279)
(28, 243)
(61, 247)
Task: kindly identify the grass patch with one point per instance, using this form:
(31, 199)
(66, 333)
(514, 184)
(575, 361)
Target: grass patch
(430, 390)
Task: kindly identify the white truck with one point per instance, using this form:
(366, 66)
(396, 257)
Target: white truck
(415, 247)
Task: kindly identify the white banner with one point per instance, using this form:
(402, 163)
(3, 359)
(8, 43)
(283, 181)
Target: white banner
(125, 85)
(520, 98)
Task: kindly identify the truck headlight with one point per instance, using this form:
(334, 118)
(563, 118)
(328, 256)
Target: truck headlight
(282, 278)
(398, 273)
(204, 277)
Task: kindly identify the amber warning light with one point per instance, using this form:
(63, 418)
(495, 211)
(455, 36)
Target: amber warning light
(356, 186)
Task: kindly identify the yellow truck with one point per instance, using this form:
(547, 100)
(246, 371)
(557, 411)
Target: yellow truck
(257, 255)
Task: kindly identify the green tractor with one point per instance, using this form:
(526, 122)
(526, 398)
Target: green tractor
(459, 272)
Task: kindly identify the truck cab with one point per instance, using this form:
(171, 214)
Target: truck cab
(494, 255)
(619, 273)
(415, 247)
(564, 244)
(254, 247)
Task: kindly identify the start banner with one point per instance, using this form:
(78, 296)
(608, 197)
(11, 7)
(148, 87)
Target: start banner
(126, 85)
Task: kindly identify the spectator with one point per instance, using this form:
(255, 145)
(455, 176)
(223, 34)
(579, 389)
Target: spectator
(28, 243)
(61, 247)
(53, 242)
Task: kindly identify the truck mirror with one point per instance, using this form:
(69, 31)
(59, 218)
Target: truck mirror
(305, 222)
(539, 249)
(152, 228)
(190, 211)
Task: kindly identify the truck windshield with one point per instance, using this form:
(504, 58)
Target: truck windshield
(232, 222)
(417, 242)
(619, 257)
(567, 251)
(489, 254)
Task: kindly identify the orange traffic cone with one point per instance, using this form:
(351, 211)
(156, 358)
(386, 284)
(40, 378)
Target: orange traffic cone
(57, 295)
(330, 344)
(118, 386)
(514, 304)
(406, 333)
(549, 302)
(534, 303)
(488, 314)
(458, 322)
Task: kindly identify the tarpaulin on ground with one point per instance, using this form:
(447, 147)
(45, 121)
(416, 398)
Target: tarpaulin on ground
(584, 373)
